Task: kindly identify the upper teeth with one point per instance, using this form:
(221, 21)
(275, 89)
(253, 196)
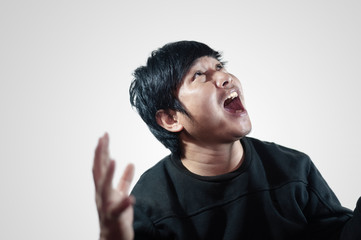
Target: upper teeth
(232, 95)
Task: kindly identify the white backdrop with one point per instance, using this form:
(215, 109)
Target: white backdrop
(65, 69)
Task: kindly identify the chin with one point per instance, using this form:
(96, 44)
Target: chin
(245, 130)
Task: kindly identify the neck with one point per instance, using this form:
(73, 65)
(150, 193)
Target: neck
(212, 160)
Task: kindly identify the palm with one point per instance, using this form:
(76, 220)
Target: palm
(114, 204)
(124, 222)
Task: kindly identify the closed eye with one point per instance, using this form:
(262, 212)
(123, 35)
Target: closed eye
(219, 66)
(197, 74)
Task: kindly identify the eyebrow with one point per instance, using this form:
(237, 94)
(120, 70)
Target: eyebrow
(197, 60)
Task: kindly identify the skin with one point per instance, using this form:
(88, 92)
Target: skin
(210, 136)
(209, 140)
(114, 205)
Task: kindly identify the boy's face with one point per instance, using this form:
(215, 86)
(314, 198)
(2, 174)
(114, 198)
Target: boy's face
(214, 100)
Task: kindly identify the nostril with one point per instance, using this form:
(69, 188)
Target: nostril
(225, 83)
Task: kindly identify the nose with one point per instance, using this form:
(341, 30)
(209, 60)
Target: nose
(223, 80)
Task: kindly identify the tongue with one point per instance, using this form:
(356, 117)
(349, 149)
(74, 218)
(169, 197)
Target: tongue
(234, 105)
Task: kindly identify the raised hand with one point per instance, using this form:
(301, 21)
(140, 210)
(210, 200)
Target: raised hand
(115, 206)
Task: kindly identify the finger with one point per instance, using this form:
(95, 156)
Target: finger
(106, 185)
(122, 206)
(104, 153)
(101, 159)
(96, 161)
(126, 179)
(105, 147)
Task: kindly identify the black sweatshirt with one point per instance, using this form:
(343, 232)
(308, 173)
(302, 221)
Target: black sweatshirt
(277, 193)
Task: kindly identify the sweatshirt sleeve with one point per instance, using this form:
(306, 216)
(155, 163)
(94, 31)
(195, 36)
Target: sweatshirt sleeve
(352, 229)
(326, 217)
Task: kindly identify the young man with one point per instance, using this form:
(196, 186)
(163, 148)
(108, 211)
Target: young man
(217, 183)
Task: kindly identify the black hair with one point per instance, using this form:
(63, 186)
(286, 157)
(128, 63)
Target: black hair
(154, 85)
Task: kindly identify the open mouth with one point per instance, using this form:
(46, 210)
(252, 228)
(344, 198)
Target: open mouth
(233, 103)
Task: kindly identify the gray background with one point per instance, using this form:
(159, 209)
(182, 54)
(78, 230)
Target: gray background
(65, 69)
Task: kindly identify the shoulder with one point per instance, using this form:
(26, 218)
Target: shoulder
(271, 150)
(274, 148)
(155, 191)
(152, 177)
(278, 160)
(148, 192)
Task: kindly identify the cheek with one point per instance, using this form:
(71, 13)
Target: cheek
(200, 102)
(206, 105)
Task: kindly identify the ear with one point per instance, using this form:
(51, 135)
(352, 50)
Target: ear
(168, 119)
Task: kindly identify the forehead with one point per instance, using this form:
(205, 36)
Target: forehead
(203, 62)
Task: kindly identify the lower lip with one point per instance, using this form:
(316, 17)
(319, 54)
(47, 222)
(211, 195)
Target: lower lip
(239, 113)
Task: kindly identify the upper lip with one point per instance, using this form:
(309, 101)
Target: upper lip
(231, 94)
(234, 93)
